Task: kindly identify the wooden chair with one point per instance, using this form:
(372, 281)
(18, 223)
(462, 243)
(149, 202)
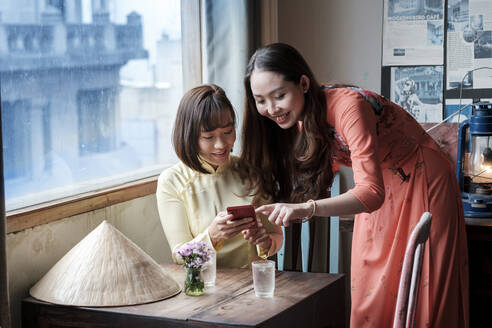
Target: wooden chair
(306, 239)
(408, 290)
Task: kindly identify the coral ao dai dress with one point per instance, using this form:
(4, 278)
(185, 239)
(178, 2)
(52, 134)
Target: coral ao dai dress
(399, 173)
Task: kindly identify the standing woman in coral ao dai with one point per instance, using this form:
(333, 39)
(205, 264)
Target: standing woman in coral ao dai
(295, 131)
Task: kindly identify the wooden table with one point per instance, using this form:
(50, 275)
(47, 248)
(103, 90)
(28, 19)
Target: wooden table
(300, 300)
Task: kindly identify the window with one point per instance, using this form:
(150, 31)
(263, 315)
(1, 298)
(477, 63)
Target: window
(96, 121)
(89, 89)
(17, 147)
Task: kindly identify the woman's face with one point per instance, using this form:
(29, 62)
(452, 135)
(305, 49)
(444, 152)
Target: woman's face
(216, 145)
(281, 101)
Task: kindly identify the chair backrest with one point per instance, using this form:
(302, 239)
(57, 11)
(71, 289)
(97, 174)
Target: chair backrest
(406, 303)
(306, 241)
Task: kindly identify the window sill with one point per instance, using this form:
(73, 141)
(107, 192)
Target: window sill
(29, 217)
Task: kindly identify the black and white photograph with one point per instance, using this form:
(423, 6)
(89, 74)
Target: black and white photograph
(476, 22)
(460, 80)
(458, 15)
(482, 46)
(435, 32)
(474, 30)
(419, 91)
(470, 35)
(414, 9)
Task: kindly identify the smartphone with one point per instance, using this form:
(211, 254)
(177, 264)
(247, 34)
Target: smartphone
(241, 212)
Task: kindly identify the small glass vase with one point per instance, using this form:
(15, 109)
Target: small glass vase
(193, 284)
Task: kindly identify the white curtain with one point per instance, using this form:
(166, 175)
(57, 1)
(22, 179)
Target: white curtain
(230, 35)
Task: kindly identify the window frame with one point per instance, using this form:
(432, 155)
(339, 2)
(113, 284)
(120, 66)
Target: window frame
(32, 216)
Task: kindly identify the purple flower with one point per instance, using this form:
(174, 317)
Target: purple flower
(194, 254)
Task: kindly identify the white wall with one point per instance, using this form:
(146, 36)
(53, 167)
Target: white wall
(340, 39)
(32, 252)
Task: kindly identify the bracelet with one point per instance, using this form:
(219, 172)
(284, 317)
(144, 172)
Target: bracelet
(313, 211)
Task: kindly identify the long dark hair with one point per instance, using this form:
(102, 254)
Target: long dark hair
(201, 109)
(292, 164)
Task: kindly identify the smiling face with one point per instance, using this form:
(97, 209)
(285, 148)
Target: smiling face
(216, 145)
(280, 100)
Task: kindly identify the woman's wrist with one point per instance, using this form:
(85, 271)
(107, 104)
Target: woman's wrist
(311, 205)
(215, 241)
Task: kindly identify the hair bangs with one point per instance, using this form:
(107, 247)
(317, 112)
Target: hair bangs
(213, 114)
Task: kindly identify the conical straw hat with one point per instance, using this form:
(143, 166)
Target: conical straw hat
(105, 269)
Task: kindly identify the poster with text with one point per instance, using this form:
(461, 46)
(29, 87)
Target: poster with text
(419, 91)
(469, 44)
(413, 32)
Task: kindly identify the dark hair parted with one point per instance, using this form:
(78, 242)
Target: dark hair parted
(286, 164)
(201, 109)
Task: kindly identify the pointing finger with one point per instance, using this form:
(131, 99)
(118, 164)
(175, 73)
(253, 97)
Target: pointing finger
(265, 209)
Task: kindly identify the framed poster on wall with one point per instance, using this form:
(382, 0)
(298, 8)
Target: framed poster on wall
(413, 32)
(469, 44)
(418, 89)
(455, 51)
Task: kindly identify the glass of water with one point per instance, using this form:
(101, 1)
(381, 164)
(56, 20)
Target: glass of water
(209, 271)
(263, 278)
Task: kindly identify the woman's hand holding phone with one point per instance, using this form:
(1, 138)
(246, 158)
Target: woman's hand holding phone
(256, 234)
(225, 227)
(242, 211)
